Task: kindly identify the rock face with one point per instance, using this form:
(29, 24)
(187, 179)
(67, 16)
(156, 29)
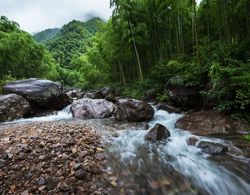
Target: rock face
(157, 133)
(168, 108)
(104, 93)
(39, 93)
(74, 93)
(92, 108)
(181, 95)
(134, 111)
(150, 95)
(208, 123)
(212, 148)
(12, 107)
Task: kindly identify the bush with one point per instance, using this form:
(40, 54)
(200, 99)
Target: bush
(5, 79)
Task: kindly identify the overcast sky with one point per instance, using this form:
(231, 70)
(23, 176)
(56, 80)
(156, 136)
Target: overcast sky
(37, 15)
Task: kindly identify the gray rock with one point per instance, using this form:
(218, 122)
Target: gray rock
(212, 148)
(13, 107)
(80, 174)
(92, 108)
(134, 111)
(39, 93)
(181, 95)
(157, 133)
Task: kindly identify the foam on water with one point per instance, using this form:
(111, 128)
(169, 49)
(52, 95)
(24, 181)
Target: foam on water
(64, 114)
(185, 159)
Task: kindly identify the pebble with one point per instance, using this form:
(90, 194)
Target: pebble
(48, 158)
(80, 174)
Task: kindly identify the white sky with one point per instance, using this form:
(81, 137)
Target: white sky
(37, 15)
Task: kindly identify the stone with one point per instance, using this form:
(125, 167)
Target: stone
(134, 111)
(168, 108)
(44, 94)
(41, 188)
(80, 174)
(150, 95)
(42, 181)
(192, 141)
(181, 95)
(13, 107)
(209, 123)
(92, 108)
(157, 133)
(212, 148)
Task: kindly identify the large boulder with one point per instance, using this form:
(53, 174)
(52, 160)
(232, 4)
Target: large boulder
(212, 148)
(92, 108)
(134, 111)
(157, 133)
(13, 107)
(181, 95)
(209, 123)
(43, 94)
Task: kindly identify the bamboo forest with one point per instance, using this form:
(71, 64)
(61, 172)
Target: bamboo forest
(125, 97)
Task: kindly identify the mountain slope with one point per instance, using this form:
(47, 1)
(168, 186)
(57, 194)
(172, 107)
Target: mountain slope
(46, 35)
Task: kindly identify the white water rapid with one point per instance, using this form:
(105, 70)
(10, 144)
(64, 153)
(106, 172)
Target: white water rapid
(189, 161)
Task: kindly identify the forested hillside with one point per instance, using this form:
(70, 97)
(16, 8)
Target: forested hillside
(21, 56)
(143, 45)
(46, 35)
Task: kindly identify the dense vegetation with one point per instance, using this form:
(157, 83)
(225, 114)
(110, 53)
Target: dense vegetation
(46, 35)
(145, 43)
(21, 56)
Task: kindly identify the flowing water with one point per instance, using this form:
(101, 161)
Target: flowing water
(136, 166)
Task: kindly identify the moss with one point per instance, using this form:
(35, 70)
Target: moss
(247, 137)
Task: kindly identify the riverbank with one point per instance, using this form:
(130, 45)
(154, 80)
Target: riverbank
(49, 158)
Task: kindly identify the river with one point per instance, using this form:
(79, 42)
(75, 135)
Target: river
(136, 166)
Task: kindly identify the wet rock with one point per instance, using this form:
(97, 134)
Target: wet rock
(192, 141)
(157, 133)
(134, 111)
(41, 181)
(235, 151)
(212, 148)
(39, 93)
(168, 108)
(13, 107)
(182, 95)
(80, 174)
(209, 123)
(92, 108)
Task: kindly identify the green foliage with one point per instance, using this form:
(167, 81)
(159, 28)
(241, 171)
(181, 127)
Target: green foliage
(5, 79)
(44, 36)
(247, 137)
(20, 55)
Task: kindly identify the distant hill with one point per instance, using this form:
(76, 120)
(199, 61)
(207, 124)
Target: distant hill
(93, 25)
(73, 40)
(46, 35)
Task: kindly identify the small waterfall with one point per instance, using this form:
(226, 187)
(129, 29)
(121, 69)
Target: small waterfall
(152, 159)
(63, 114)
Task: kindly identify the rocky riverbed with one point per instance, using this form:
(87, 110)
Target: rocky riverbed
(49, 158)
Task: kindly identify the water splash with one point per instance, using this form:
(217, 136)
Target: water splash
(187, 160)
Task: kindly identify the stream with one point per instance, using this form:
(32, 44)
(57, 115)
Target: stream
(136, 166)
